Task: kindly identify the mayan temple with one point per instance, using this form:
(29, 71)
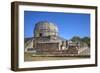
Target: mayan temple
(46, 41)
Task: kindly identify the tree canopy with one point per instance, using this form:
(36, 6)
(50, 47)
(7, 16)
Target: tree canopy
(81, 40)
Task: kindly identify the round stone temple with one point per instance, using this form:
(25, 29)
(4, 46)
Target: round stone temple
(44, 29)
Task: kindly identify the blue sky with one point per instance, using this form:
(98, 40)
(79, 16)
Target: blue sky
(69, 24)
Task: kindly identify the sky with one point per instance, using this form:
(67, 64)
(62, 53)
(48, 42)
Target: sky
(69, 24)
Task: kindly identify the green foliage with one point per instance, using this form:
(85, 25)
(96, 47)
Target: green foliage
(83, 40)
(86, 40)
(76, 39)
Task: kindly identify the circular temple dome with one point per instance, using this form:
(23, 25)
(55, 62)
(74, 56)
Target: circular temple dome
(45, 28)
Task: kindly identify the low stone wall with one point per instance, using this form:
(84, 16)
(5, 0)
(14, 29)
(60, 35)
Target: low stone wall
(53, 49)
(47, 47)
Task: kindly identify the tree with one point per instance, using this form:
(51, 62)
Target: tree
(86, 40)
(82, 41)
(76, 39)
